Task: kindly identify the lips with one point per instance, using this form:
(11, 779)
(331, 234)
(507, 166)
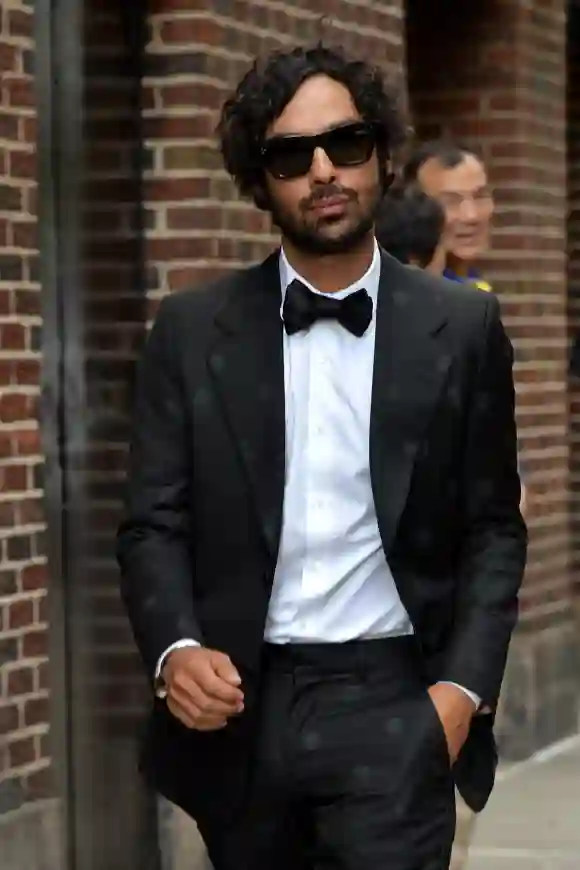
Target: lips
(330, 205)
(467, 236)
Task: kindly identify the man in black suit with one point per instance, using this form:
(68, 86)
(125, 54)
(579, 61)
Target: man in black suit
(323, 548)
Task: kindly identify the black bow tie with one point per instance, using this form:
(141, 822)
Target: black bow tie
(302, 308)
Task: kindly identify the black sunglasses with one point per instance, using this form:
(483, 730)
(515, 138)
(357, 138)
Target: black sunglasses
(286, 157)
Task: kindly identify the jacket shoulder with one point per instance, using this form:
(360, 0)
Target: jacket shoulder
(467, 307)
(202, 301)
(454, 294)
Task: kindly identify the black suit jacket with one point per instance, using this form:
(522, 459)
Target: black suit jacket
(199, 544)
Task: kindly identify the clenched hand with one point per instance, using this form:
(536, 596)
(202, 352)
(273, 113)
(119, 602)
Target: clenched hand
(203, 688)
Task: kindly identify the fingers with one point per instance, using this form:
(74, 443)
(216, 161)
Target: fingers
(204, 679)
(192, 717)
(203, 689)
(215, 687)
(225, 669)
(203, 694)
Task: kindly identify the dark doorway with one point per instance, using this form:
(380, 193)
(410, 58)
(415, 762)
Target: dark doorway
(89, 70)
(455, 58)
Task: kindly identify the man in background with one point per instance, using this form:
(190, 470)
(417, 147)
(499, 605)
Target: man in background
(455, 176)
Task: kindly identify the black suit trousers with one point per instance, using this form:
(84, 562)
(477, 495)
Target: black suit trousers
(350, 769)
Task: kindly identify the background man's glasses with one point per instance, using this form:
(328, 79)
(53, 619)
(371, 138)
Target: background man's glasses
(287, 157)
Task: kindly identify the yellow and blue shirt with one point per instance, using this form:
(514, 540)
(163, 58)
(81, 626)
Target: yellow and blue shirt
(473, 277)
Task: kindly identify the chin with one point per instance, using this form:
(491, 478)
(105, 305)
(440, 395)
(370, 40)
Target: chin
(332, 226)
(334, 233)
(468, 255)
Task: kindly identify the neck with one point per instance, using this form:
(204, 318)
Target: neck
(330, 273)
(459, 267)
(437, 264)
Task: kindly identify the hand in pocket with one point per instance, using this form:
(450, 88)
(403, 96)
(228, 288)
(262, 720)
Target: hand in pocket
(455, 711)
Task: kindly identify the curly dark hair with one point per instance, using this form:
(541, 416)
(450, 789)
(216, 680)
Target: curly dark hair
(268, 87)
(410, 225)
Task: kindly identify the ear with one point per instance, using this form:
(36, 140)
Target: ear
(261, 196)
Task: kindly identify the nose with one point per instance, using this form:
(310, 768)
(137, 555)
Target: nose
(468, 210)
(322, 170)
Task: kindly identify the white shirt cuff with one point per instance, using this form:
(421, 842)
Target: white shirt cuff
(475, 698)
(160, 689)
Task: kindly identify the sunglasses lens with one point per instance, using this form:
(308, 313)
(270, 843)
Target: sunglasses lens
(288, 158)
(350, 146)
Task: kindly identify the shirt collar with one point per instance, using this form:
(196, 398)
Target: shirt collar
(472, 275)
(370, 279)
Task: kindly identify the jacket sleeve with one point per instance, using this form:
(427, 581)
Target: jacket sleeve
(493, 553)
(153, 541)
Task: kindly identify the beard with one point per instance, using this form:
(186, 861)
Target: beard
(331, 235)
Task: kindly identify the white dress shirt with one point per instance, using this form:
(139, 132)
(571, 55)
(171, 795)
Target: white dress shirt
(332, 581)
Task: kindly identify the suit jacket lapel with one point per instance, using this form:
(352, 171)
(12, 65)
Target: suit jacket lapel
(247, 366)
(410, 368)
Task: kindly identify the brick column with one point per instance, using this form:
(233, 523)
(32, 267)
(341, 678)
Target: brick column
(23, 640)
(495, 77)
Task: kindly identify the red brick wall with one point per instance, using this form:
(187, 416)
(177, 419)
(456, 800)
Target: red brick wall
(196, 54)
(501, 87)
(23, 580)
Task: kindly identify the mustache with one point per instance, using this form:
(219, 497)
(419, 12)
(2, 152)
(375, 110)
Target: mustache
(328, 191)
